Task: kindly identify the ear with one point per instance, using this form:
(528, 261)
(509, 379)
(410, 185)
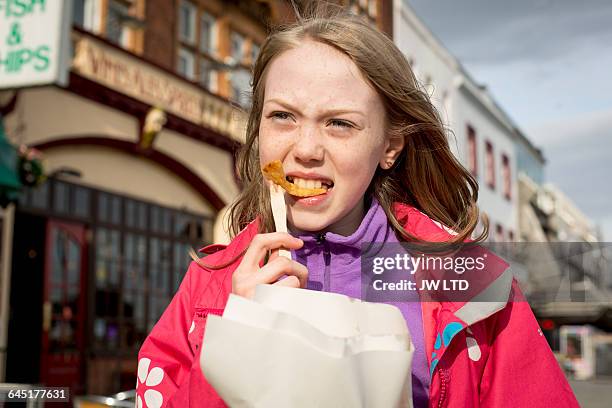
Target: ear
(394, 146)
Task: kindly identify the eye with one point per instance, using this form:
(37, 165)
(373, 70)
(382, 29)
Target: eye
(340, 123)
(280, 115)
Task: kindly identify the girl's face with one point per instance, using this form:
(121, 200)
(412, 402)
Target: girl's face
(326, 124)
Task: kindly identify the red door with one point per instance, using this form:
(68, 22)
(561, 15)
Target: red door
(64, 305)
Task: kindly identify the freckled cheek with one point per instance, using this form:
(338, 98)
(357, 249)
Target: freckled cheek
(270, 147)
(355, 164)
(351, 179)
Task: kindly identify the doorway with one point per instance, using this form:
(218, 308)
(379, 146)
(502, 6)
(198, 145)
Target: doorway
(46, 337)
(63, 306)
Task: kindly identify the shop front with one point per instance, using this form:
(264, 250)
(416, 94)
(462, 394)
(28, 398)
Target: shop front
(92, 273)
(99, 249)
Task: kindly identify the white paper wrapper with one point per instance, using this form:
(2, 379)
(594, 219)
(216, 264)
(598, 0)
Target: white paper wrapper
(298, 348)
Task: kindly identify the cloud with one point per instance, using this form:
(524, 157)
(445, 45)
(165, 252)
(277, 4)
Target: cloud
(495, 32)
(541, 59)
(534, 92)
(548, 63)
(572, 131)
(579, 150)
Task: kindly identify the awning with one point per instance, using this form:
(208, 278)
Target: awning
(10, 185)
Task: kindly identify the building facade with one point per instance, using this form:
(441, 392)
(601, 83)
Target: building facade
(482, 136)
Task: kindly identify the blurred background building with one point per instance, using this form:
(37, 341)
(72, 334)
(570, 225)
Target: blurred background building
(558, 257)
(139, 149)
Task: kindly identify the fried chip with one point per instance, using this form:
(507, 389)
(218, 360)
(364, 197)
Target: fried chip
(274, 172)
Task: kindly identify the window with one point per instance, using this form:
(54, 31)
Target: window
(116, 31)
(240, 85)
(86, 14)
(490, 164)
(511, 249)
(67, 199)
(507, 175)
(140, 255)
(134, 292)
(78, 12)
(61, 198)
(198, 50)
(64, 287)
(499, 233)
(472, 151)
(187, 22)
(237, 47)
(240, 77)
(216, 56)
(254, 52)
(36, 197)
(81, 202)
(208, 75)
(160, 273)
(107, 281)
(186, 63)
(118, 21)
(109, 208)
(208, 39)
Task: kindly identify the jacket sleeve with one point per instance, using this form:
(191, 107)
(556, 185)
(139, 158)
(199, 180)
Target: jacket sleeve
(165, 358)
(521, 370)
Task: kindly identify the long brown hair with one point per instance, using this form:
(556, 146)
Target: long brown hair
(426, 175)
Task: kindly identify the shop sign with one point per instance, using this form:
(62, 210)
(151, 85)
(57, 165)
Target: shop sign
(34, 42)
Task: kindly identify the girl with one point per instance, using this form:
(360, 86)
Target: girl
(337, 103)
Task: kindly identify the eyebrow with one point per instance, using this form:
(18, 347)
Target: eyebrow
(327, 112)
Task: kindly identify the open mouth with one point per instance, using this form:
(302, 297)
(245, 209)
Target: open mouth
(295, 186)
(310, 183)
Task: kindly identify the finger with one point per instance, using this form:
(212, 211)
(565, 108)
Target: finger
(275, 253)
(289, 281)
(264, 242)
(272, 271)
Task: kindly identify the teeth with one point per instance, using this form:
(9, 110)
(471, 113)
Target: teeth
(308, 183)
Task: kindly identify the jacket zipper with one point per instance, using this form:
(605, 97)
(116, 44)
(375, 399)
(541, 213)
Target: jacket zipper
(443, 386)
(326, 258)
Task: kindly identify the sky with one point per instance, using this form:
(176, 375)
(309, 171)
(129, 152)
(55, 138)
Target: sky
(548, 63)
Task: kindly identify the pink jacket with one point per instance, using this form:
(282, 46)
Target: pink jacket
(481, 354)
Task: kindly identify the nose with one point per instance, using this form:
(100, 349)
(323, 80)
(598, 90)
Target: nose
(308, 145)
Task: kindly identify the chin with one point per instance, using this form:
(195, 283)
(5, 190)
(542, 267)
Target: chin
(310, 226)
(305, 222)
